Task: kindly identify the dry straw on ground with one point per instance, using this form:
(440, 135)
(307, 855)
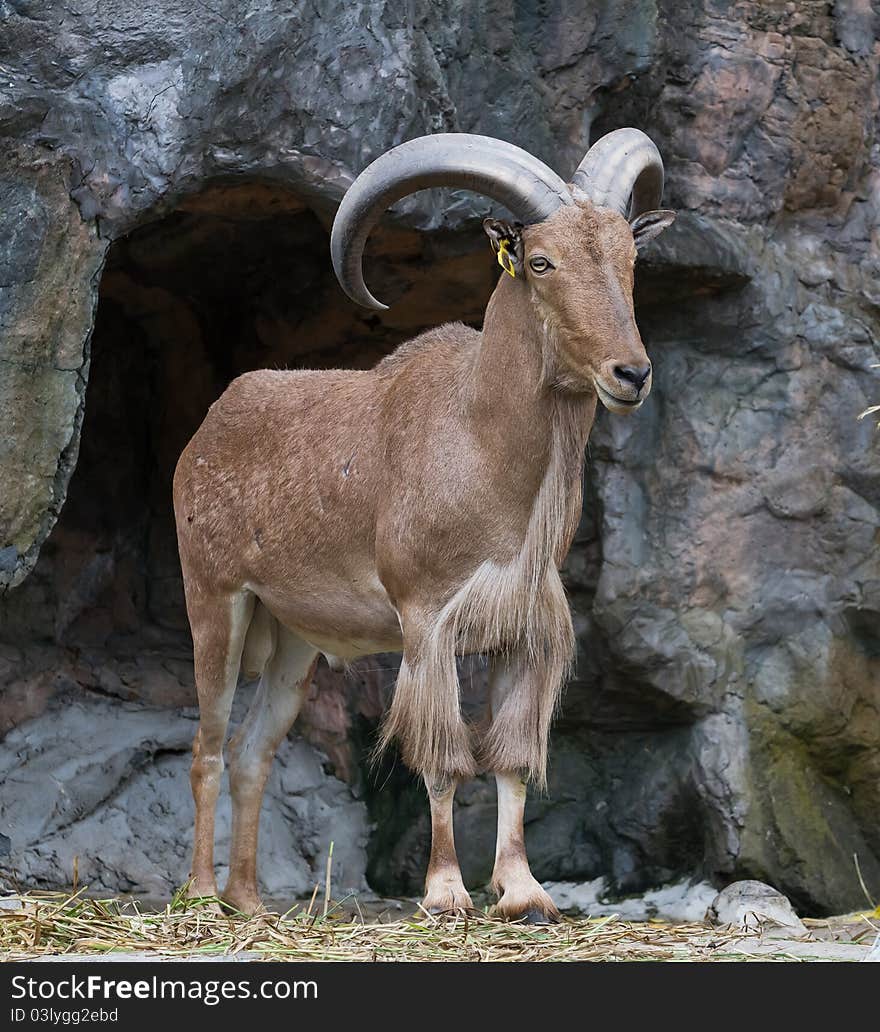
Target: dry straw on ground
(51, 924)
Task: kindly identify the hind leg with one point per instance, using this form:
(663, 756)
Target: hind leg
(275, 707)
(218, 624)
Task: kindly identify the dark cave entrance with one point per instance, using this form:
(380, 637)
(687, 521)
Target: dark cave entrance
(238, 277)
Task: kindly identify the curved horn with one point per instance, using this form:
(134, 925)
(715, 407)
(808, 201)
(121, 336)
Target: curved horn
(499, 170)
(622, 164)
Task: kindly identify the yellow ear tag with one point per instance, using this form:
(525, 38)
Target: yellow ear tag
(504, 259)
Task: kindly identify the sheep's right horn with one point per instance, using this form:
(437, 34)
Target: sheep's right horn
(464, 161)
(623, 164)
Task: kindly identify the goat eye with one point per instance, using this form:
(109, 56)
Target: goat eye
(540, 264)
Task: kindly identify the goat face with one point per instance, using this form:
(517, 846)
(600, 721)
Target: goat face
(579, 266)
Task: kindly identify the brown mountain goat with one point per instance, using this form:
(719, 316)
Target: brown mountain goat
(424, 506)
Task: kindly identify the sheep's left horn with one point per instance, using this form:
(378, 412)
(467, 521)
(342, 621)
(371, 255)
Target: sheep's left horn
(463, 161)
(623, 164)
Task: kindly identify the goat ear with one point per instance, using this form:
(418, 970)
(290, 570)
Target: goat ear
(506, 241)
(649, 225)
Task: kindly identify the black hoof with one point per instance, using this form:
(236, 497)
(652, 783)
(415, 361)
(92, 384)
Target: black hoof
(536, 917)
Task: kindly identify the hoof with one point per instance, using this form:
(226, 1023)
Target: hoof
(200, 897)
(244, 906)
(205, 904)
(536, 916)
(199, 890)
(448, 913)
(534, 907)
(454, 903)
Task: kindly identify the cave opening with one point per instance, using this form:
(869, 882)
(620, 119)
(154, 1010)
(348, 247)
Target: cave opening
(236, 277)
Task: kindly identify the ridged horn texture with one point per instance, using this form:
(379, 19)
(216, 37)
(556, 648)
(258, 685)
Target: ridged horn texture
(507, 174)
(622, 165)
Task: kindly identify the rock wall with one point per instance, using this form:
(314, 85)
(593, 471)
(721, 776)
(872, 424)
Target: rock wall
(167, 177)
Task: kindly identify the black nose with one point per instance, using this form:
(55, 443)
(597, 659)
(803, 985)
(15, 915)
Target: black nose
(636, 375)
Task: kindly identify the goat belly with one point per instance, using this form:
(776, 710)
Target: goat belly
(344, 618)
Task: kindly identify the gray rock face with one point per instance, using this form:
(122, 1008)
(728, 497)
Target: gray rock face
(49, 264)
(116, 807)
(167, 177)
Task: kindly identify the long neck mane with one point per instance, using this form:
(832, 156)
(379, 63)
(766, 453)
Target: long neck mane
(547, 428)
